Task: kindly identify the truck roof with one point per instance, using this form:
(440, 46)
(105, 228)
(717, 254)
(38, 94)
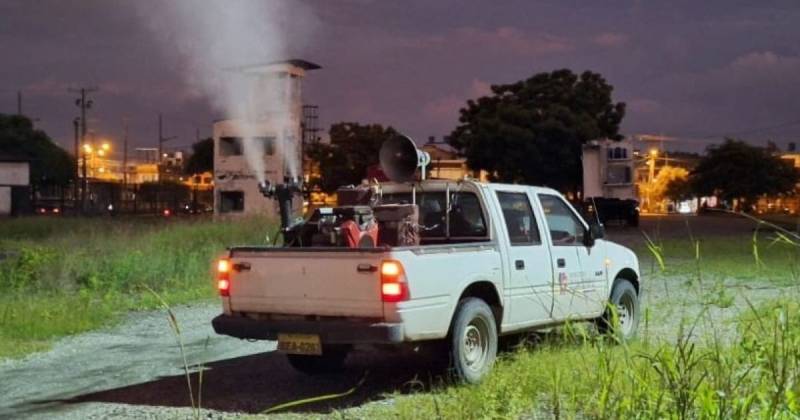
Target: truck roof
(442, 184)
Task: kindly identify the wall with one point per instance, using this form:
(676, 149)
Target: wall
(14, 173)
(232, 172)
(5, 201)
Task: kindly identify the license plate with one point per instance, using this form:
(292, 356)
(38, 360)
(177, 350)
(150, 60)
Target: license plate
(299, 344)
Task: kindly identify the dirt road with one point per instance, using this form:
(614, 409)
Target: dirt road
(135, 369)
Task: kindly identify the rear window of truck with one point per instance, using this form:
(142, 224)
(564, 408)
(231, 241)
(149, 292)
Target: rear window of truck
(467, 223)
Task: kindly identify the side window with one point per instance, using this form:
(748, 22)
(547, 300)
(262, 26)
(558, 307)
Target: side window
(466, 216)
(565, 229)
(520, 222)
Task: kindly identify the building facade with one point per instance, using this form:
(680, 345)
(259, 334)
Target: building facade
(608, 169)
(14, 185)
(267, 145)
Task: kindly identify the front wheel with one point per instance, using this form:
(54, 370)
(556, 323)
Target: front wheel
(622, 314)
(331, 360)
(473, 340)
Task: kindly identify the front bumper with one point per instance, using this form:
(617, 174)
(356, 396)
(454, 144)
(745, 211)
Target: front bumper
(329, 331)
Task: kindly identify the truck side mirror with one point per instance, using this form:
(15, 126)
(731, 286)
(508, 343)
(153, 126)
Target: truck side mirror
(594, 232)
(598, 230)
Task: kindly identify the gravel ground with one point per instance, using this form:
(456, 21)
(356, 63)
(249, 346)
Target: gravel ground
(135, 369)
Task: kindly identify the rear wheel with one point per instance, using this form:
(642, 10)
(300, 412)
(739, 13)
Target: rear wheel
(622, 315)
(473, 340)
(331, 360)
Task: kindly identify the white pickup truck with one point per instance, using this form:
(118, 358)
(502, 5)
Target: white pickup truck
(512, 258)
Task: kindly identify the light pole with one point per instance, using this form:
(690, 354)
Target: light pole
(651, 162)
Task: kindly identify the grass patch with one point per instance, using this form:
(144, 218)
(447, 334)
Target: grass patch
(572, 375)
(739, 257)
(67, 276)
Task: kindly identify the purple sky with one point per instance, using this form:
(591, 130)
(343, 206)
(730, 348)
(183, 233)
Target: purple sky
(690, 69)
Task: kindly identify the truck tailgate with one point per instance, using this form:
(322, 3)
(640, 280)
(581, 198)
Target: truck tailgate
(325, 283)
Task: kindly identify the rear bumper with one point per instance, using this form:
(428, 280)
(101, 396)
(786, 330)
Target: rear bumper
(330, 331)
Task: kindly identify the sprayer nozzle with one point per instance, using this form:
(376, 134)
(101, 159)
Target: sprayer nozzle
(267, 189)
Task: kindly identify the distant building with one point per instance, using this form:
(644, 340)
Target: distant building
(608, 169)
(236, 185)
(447, 164)
(783, 203)
(14, 185)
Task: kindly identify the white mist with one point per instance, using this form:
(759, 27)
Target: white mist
(210, 40)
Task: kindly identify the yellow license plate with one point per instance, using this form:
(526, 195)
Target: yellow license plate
(299, 344)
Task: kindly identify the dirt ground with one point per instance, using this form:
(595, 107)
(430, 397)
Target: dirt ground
(135, 369)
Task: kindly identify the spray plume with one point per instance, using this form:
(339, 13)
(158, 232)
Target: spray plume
(212, 39)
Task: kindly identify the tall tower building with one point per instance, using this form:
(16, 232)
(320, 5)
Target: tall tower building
(264, 142)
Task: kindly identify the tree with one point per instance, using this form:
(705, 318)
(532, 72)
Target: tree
(50, 164)
(202, 158)
(657, 190)
(679, 189)
(532, 131)
(353, 148)
(737, 170)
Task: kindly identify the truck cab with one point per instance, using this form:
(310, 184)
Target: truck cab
(490, 260)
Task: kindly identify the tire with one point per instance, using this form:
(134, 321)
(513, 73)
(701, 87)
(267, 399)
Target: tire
(622, 321)
(331, 360)
(472, 340)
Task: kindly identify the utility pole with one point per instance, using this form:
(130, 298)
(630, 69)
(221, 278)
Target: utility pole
(125, 155)
(76, 125)
(161, 141)
(83, 103)
(19, 102)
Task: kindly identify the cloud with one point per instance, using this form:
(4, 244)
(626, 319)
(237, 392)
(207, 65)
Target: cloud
(610, 39)
(480, 88)
(48, 87)
(505, 39)
(760, 60)
(751, 90)
(643, 106)
(445, 109)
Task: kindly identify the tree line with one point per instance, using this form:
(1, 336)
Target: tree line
(529, 132)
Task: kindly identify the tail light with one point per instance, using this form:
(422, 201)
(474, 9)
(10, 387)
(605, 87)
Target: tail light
(224, 276)
(393, 282)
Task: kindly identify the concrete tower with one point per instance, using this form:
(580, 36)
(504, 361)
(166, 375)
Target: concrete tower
(272, 118)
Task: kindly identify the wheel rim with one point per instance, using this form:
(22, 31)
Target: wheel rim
(626, 308)
(476, 344)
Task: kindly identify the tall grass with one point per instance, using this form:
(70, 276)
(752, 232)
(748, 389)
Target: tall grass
(66, 276)
(571, 373)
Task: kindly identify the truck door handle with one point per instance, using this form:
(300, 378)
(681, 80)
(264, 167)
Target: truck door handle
(520, 264)
(561, 263)
(242, 266)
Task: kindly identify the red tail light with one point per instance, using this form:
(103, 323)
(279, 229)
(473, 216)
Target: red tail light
(393, 282)
(224, 277)
(224, 286)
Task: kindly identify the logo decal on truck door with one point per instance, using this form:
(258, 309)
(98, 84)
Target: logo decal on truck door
(562, 281)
